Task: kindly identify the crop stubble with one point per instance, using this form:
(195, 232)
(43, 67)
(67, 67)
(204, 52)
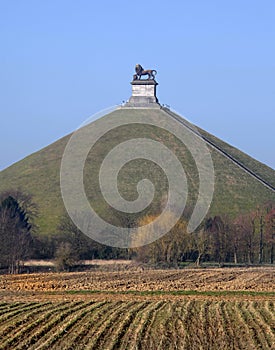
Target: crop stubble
(95, 310)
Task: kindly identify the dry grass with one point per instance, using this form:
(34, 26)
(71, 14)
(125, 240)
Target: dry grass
(95, 262)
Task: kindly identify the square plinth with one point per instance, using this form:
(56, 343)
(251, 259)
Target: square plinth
(143, 94)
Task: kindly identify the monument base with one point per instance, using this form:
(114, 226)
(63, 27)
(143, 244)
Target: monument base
(143, 94)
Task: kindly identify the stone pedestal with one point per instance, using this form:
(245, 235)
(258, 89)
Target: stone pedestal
(143, 94)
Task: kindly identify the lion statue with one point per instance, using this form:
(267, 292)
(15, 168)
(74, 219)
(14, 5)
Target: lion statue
(140, 71)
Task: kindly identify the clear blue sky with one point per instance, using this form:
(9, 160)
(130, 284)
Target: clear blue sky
(61, 61)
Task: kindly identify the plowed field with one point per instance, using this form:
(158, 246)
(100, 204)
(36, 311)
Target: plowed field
(175, 309)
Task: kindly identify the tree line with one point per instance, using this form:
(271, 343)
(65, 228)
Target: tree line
(247, 239)
(21, 240)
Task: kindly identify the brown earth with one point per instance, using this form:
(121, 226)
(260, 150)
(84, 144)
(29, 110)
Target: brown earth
(114, 285)
(232, 279)
(152, 309)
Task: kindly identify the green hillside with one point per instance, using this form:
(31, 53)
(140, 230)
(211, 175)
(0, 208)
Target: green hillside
(39, 174)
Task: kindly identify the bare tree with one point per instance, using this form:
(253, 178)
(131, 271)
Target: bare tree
(167, 249)
(218, 230)
(270, 232)
(246, 229)
(15, 236)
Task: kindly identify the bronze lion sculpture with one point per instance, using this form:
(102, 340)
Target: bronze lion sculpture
(140, 71)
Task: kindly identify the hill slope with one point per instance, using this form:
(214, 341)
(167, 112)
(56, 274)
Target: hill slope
(39, 174)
